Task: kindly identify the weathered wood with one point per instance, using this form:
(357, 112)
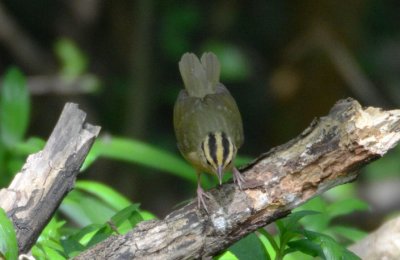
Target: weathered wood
(383, 243)
(328, 153)
(47, 176)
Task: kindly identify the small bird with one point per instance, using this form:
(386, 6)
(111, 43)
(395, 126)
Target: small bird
(207, 121)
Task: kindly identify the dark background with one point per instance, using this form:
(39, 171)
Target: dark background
(285, 62)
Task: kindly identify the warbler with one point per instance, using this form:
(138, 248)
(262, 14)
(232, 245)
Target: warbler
(207, 122)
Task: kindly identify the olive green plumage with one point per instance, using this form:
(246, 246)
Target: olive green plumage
(207, 121)
(204, 106)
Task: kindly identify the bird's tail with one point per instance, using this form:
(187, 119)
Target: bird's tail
(200, 77)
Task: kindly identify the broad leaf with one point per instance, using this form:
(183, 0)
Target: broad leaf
(8, 238)
(104, 193)
(291, 221)
(84, 210)
(344, 207)
(14, 108)
(73, 61)
(249, 247)
(134, 151)
(352, 234)
(329, 248)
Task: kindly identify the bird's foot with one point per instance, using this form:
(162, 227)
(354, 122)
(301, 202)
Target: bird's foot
(238, 178)
(200, 198)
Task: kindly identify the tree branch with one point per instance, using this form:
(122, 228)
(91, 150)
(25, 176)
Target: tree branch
(328, 153)
(21, 46)
(47, 176)
(380, 244)
(56, 84)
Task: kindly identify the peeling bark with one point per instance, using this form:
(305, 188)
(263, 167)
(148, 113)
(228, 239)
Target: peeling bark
(328, 153)
(47, 176)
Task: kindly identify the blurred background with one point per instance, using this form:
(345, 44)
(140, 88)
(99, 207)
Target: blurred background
(285, 62)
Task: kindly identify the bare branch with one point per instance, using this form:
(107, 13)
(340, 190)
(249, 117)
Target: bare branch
(47, 176)
(22, 47)
(328, 153)
(56, 84)
(382, 243)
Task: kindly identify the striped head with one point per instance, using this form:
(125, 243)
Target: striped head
(218, 152)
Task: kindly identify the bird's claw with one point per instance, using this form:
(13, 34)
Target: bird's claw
(200, 198)
(238, 178)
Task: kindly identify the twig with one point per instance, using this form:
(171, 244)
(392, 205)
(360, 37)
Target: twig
(348, 67)
(56, 84)
(328, 153)
(22, 46)
(47, 176)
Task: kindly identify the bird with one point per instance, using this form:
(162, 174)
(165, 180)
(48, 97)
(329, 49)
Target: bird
(207, 121)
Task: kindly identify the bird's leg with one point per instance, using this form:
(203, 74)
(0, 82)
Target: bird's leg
(201, 194)
(237, 177)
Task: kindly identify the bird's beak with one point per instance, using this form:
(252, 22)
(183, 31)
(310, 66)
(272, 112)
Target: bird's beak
(219, 174)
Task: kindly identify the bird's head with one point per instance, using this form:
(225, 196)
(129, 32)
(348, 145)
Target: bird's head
(218, 153)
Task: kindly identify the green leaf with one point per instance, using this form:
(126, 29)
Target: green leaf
(234, 64)
(330, 249)
(104, 193)
(48, 243)
(269, 238)
(129, 216)
(315, 204)
(125, 214)
(291, 222)
(32, 145)
(102, 234)
(344, 207)
(53, 244)
(341, 192)
(8, 238)
(288, 228)
(84, 235)
(3, 165)
(306, 246)
(385, 168)
(38, 252)
(146, 215)
(71, 247)
(281, 226)
(317, 222)
(73, 61)
(177, 24)
(227, 255)
(14, 164)
(84, 210)
(14, 108)
(242, 160)
(51, 253)
(141, 153)
(52, 230)
(121, 222)
(249, 247)
(353, 234)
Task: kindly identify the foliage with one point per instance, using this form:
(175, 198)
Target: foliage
(8, 238)
(277, 58)
(94, 211)
(137, 152)
(73, 61)
(14, 117)
(303, 232)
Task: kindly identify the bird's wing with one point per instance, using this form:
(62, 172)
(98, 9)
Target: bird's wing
(227, 108)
